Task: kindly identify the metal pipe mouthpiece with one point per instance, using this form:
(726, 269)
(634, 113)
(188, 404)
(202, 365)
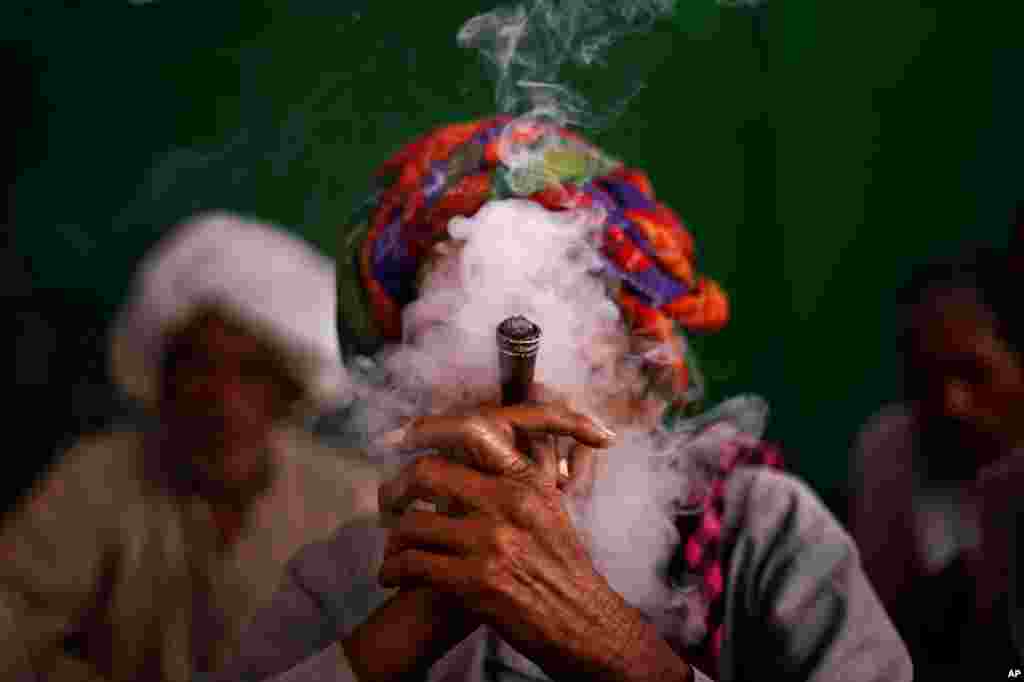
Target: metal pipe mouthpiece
(518, 336)
(518, 344)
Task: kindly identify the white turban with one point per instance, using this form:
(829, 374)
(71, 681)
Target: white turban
(267, 279)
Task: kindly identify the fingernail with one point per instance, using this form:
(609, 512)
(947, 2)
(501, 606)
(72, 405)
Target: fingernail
(604, 429)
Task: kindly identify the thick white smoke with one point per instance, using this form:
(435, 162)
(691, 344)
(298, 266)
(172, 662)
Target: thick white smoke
(645, 482)
(515, 257)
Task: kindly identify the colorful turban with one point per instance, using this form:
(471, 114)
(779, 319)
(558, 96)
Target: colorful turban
(647, 252)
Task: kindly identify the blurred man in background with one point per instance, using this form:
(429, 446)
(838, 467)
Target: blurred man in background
(936, 479)
(142, 554)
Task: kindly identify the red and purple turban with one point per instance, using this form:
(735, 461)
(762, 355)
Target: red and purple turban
(646, 249)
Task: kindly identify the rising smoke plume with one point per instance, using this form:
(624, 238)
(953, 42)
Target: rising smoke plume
(528, 45)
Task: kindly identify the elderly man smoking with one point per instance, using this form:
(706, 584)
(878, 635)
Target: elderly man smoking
(140, 556)
(521, 580)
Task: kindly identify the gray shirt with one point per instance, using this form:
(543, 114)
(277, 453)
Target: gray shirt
(797, 603)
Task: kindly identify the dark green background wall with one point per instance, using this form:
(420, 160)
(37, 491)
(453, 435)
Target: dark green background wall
(818, 150)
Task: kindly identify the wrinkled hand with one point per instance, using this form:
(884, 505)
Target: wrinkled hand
(514, 558)
(577, 463)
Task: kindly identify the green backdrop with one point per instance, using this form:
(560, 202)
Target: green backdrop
(817, 150)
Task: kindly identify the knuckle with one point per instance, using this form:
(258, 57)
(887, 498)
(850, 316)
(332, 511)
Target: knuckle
(502, 539)
(475, 430)
(405, 566)
(492, 574)
(424, 470)
(580, 424)
(560, 415)
(416, 469)
(488, 410)
(404, 526)
(524, 503)
(392, 570)
(574, 420)
(506, 430)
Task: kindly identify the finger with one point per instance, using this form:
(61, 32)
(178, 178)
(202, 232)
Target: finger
(448, 432)
(544, 452)
(560, 421)
(438, 431)
(406, 437)
(432, 476)
(539, 392)
(542, 448)
(435, 533)
(563, 474)
(419, 568)
(582, 471)
(565, 448)
(489, 442)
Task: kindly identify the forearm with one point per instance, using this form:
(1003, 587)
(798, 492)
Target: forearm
(407, 635)
(636, 652)
(611, 642)
(651, 659)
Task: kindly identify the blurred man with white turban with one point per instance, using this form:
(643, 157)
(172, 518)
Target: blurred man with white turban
(141, 555)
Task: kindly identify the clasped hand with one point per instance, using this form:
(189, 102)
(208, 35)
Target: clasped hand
(512, 556)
